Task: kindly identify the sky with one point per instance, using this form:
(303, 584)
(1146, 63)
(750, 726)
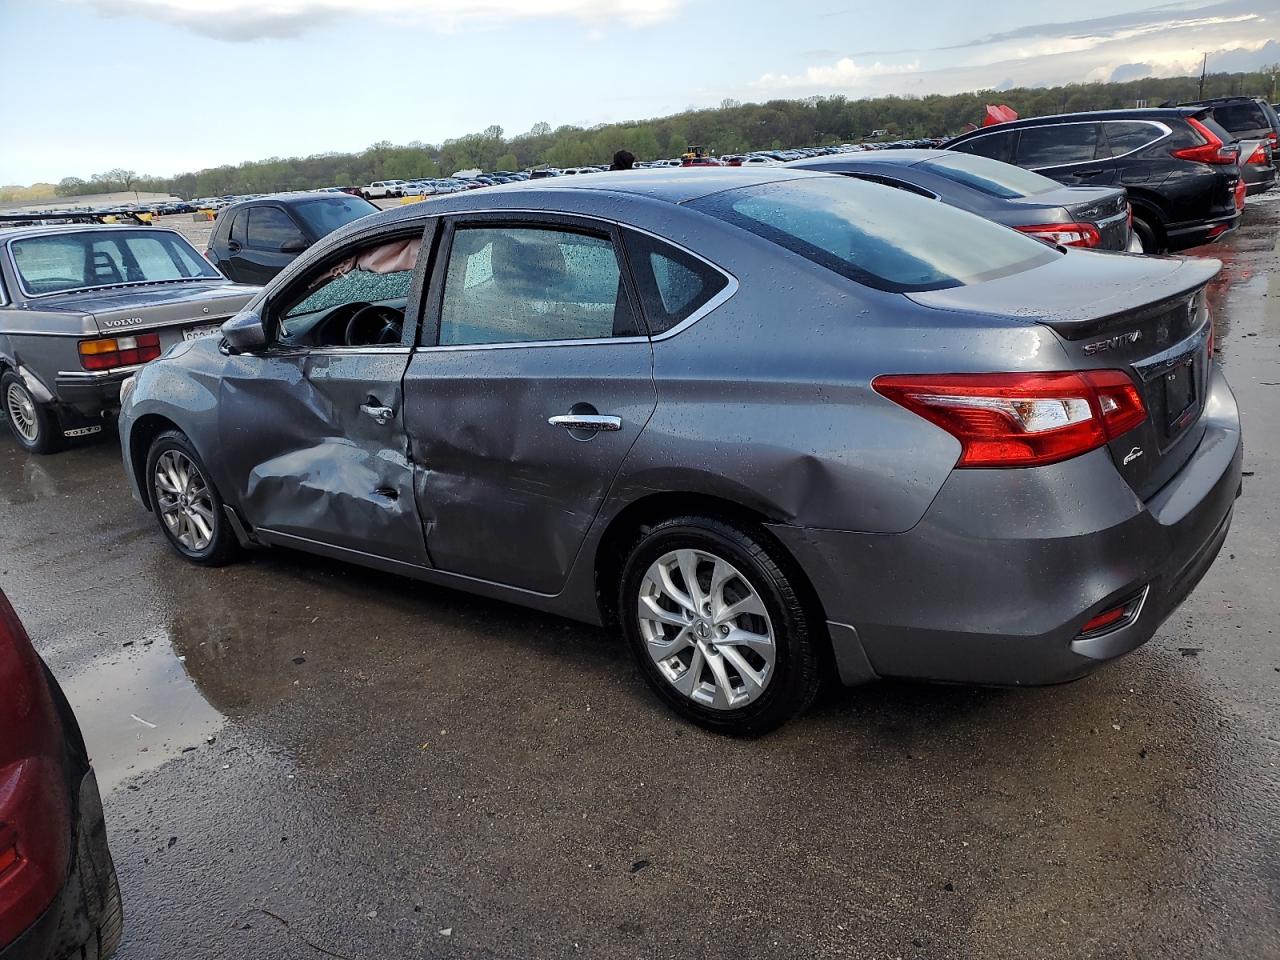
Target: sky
(167, 86)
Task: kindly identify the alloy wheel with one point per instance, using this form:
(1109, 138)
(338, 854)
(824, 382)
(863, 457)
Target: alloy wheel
(707, 629)
(184, 499)
(22, 412)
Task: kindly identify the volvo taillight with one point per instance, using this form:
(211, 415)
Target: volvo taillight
(1213, 150)
(107, 353)
(1066, 234)
(1021, 419)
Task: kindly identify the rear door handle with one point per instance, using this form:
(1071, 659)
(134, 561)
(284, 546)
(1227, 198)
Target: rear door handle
(586, 421)
(233, 247)
(381, 415)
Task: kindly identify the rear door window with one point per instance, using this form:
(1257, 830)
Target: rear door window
(997, 146)
(1058, 144)
(1241, 117)
(887, 239)
(270, 228)
(1126, 136)
(673, 285)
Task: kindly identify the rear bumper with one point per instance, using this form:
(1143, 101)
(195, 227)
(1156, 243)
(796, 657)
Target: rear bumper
(1182, 236)
(92, 394)
(1258, 179)
(85, 918)
(994, 585)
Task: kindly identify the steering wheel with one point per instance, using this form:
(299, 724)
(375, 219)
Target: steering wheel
(373, 324)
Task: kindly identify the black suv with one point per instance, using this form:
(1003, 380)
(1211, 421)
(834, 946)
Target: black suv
(1250, 118)
(254, 240)
(1178, 165)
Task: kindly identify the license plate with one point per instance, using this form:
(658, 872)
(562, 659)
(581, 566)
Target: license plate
(200, 333)
(1179, 394)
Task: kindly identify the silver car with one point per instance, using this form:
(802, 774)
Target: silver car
(772, 425)
(82, 308)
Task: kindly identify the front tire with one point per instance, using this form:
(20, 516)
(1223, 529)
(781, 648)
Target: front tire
(34, 425)
(717, 625)
(186, 503)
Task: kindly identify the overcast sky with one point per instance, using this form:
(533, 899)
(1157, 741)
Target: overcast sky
(165, 86)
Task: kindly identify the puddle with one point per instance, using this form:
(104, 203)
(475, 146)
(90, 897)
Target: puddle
(138, 709)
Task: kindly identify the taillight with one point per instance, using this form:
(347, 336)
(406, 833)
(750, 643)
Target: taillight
(1213, 150)
(1259, 155)
(111, 352)
(1021, 419)
(1067, 234)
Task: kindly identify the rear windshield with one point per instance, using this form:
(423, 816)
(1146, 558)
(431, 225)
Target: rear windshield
(876, 235)
(1241, 117)
(327, 214)
(991, 176)
(106, 258)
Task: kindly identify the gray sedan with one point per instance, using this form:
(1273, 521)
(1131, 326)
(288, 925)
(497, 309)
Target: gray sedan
(772, 425)
(1091, 217)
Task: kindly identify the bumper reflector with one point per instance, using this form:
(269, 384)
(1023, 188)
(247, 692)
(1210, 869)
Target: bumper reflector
(1115, 617)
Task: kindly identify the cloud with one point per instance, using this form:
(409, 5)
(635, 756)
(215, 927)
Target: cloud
(842, 74)
(245, 20)
(1130, 71)
(1162, 41)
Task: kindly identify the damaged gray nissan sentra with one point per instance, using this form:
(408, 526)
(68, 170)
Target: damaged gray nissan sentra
(770, 424)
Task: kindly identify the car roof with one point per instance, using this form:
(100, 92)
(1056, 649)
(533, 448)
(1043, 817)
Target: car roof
(902, 158)
(668, 185)
(1143, 113)
(54, 229)
(1215, 101)
(287, 199)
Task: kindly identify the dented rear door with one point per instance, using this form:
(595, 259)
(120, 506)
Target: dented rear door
(534, 381)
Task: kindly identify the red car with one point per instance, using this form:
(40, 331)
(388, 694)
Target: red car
(59, 898)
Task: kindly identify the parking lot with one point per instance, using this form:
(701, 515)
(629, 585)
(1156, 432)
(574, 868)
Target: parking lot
(304, 759)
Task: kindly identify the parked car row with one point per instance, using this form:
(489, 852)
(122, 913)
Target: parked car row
(1182, 171)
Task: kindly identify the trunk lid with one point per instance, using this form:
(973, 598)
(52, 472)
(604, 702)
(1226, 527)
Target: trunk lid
(1147, 316)
(175, 311)
(1107, 208)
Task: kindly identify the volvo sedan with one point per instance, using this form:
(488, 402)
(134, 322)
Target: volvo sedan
(771, 425)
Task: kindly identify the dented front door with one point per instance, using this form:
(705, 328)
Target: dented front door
(316, 446)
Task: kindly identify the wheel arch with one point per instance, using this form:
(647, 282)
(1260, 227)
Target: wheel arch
(653, 508)
(142, 435)
(1148, 209)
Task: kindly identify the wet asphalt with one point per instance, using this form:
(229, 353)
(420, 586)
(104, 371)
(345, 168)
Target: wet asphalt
(302, 759)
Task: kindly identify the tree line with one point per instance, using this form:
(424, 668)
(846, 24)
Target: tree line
(732, 127)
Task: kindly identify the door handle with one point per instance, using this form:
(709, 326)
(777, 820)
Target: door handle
(593, 422)
(381, 415)
(233, 247)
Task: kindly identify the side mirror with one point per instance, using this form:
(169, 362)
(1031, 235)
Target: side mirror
(294, 246)
(244, 332)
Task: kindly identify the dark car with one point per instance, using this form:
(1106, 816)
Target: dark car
(831, 422)
(59, 898)
(1250, 119)
(256, 239)
(82, 307)
(1179, 167)
(1073, 216)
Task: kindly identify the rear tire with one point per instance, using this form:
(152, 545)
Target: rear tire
(1146, 236)
(33, 424)
(736, 654)
(186, 504)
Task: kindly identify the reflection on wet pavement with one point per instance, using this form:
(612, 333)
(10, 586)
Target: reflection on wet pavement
(393, 761)
(138, 709)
